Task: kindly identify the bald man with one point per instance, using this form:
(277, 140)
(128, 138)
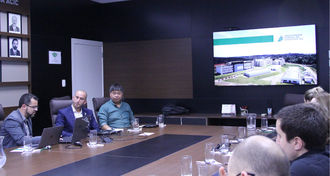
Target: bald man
(67, 116)
(257, 155)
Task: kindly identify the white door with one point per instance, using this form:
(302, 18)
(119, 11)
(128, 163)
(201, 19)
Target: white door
(87, 68)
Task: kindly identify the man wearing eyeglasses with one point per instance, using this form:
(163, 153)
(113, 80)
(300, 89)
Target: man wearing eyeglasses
(115, 113)
(257, 156)
(18, 123)
(67, 116)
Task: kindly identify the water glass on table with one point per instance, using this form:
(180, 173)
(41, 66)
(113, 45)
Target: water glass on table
(209, 152)
(202, 169)
(224, 147)
(186, 165)
(251, 120)
(136, 124)
(27, 144)
(161, 120)
(264, 124)
(241, 134)
(92, 137)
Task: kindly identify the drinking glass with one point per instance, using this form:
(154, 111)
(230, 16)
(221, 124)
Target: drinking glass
(92, 137)
(202, 169)
(161, 120)
(209, 152)
(27, 144)
(224, 141)
(186, 165)
(241, 134)
(136, 124)
(251, 119)
(264, 124)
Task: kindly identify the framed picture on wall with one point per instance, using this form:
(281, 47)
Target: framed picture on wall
(14, 23)
(15, 46)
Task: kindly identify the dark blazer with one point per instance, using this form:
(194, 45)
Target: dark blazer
(18, 53)
(66, 117)
(11, 28)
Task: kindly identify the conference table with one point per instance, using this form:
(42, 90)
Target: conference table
(88, 160)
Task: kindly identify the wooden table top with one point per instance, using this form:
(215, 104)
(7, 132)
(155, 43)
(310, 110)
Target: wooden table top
(169, 165)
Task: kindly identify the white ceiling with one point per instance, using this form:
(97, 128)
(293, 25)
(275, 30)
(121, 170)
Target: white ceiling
(108, 1)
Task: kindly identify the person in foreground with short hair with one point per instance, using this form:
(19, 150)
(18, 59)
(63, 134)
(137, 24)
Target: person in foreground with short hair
(67, 116)
(259, 156)
(302, 134)
(18, 123)
(115, 113)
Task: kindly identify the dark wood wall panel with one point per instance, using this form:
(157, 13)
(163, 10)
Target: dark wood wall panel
(150, 69)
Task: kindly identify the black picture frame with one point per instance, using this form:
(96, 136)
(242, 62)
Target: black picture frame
(14, 52)
(14, 23)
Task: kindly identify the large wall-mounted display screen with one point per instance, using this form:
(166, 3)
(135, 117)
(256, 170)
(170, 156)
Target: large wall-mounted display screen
(267, 56)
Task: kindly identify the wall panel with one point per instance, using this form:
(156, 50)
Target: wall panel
(150, 69)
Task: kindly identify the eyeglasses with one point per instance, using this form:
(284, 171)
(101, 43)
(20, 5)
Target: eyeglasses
(33, 107)
(116, 93)
(247, 173)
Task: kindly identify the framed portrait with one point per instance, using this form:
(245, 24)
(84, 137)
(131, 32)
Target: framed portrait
(14, 23)
(14, 47)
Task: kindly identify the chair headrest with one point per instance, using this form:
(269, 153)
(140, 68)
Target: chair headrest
(56, 105)
(98, 102)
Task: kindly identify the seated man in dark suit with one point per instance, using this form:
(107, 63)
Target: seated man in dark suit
(67, 116)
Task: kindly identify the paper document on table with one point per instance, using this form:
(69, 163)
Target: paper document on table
(146, 134)
(20, 150)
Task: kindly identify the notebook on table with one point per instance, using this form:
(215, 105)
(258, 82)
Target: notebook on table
(80, 130)
(49, 136)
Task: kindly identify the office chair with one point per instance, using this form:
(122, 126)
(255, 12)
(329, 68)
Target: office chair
(67, 97)
(2, 115)
(97, 103)
(291, 99)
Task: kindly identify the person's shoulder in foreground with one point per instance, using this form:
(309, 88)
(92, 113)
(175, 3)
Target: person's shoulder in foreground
(311, 163)
(302, 134)
(257, 155)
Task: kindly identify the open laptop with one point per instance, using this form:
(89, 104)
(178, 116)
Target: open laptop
(80, 130)
(49, 136)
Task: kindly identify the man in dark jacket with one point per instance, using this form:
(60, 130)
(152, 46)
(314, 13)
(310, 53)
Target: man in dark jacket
(67, 116)
(302, 134)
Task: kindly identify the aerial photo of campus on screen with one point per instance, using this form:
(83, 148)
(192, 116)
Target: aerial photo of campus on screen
(270, 56)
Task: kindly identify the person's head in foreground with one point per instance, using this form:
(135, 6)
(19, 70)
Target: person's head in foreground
(257, 155)
(301, 128)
